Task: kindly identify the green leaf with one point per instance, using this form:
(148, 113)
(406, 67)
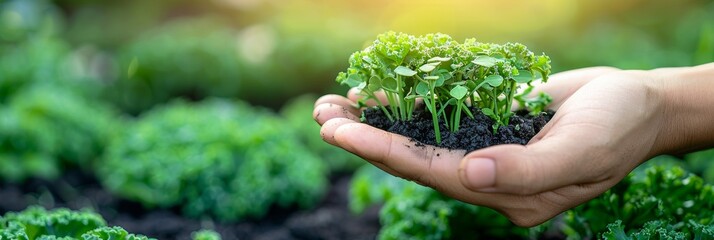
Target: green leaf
(375, 83)
(488, 112)
(422, 89)
(390, 84)
(485, 61)
(438, 59)
(353, 80)
(428, 67)
(404, 71)
(458, 92)
(494, 80)
(524, 76)
(439, 82)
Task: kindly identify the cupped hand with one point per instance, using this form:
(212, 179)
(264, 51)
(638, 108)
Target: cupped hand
(607, 122)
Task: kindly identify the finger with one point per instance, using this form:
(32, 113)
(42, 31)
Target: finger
(354, 95)
(327, 133)
(428, 165)
(327, 111)
(553, 162)
(339, 100)
(562, 85)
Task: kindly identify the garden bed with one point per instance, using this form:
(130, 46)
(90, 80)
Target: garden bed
(331, 219)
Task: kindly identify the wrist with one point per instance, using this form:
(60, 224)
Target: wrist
(687, 96)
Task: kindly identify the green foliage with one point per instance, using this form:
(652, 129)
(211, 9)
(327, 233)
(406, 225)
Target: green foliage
(680, 203)
(426, 214)
(370, 185)
(38, 223)
(215, 158)
(415, 212)
(44, 129)
(21, 20)
(657, 229)
(444, 73)
(702, 163)
(205, 235)
(192, 58)
(298, 113)
(111, 233)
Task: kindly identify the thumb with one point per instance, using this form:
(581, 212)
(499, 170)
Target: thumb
(544, 165)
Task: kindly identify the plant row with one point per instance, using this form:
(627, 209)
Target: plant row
(654, 202)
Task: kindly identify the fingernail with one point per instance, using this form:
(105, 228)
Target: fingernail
(480, 173)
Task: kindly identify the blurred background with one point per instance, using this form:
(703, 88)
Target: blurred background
(138, 54)
(130, 95)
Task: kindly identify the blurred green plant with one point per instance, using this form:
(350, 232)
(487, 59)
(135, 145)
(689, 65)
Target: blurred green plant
(189, 58)
(656, 199)
(215, 158)
(45, 129)
(702, 164)
(411, 211)
(205, 235)
(32, 52)
(298, 113)
(371, 186)
(38, 223)
(21, 20)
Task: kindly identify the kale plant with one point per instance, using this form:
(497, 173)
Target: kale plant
(38, 223)
(192, 58)
(443, 73)
(215, 158)
(45, 129)
(298, 113)
(666, 201)
(411, 211)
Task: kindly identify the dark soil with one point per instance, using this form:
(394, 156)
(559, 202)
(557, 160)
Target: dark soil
(473, 133)
(331, 219)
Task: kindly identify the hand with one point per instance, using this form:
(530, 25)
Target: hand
(607, 122)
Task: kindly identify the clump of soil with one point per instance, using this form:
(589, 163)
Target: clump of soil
(473, 133)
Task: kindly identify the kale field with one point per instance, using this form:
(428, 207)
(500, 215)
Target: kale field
(190, 119)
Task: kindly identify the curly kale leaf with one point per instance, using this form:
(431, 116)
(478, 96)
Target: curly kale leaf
(36, 222)
(412, 211)
(107, 233)
(666, 194)
(39, 223)
(426, 214)
(215, 158)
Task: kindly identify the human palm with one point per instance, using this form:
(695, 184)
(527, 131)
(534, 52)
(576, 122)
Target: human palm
(606, 123)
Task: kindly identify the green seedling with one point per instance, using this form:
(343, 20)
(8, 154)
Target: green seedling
(445, 74)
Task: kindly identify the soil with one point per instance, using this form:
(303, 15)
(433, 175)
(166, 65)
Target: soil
(331, 219)
(474, 133)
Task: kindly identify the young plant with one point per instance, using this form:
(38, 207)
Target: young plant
(448, 76)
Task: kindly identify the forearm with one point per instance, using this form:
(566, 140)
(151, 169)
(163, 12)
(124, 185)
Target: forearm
(688, 95)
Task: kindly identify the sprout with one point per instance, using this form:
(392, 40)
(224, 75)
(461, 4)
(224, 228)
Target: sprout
(445, 74)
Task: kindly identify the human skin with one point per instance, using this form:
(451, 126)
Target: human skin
(607, 122)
